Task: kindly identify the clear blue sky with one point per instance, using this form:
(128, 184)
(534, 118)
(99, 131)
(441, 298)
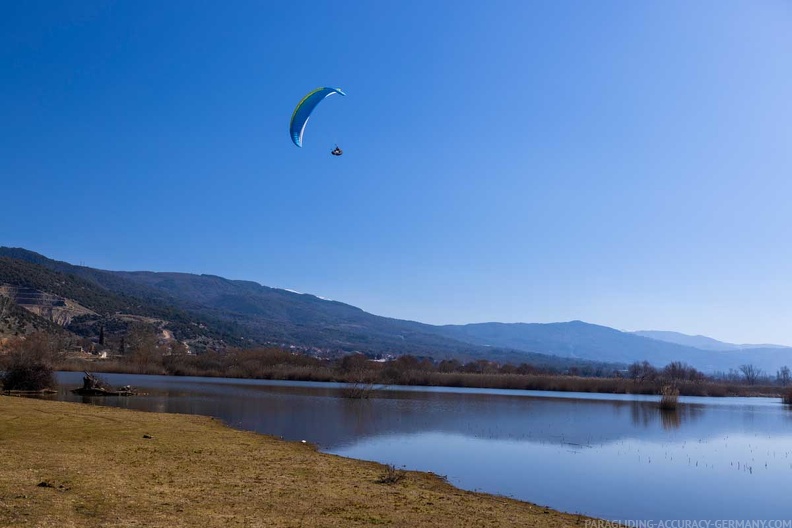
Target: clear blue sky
(624, 163)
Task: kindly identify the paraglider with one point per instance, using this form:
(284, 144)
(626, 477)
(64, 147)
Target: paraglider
(303, 111)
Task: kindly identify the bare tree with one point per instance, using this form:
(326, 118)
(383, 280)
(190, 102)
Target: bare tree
(358, 373)
(784, 376)
(642, 371)
(141, 341)
(751, 373)
(44, 347)
(675, 371)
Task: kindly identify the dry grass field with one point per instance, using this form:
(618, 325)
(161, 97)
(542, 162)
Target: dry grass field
(74, 465)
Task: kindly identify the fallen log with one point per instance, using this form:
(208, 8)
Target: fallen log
(95, 386)
(102, 392)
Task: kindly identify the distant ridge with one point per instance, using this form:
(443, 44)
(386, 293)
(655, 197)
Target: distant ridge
(577, 339)
(698, 341)
(208, 311)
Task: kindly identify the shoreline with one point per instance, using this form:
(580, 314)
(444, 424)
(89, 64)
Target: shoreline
(375, 389)
(80, 465)
(539, 382)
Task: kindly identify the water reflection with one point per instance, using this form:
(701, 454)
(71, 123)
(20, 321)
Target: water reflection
(317, 412)
(647, 415)
(671, 418)
(617, 457)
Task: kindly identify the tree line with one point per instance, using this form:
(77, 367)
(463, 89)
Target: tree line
(747, 373)
(143, 350)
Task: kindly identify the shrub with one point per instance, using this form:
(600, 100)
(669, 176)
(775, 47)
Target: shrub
(787, 398)
(391, 475)
(357, 390)
(28, 376)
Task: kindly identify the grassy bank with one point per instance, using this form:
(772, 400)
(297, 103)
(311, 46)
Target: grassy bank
(65, 465)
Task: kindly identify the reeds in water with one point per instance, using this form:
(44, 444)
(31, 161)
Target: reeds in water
(358, 390)
(669, 398)
(787, 398)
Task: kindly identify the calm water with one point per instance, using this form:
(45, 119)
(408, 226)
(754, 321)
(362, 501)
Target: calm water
(609, 456)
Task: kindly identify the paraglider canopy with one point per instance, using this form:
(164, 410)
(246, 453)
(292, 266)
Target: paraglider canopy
(303, 111)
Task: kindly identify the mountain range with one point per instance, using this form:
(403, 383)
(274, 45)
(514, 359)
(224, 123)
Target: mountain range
(698, 341)
(207, 311)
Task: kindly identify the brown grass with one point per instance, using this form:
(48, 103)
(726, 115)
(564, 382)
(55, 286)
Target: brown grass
(72, 465)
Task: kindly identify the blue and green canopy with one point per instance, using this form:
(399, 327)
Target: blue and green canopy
(303, 111)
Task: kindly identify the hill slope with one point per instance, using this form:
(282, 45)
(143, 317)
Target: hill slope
(226, 312)
(243, 313)
(94, 307)
(16, 321)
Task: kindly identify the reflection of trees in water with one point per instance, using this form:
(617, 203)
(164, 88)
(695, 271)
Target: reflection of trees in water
(319, 413)
(543, 420)
(358, 415)
(671, 418)
(648, 414)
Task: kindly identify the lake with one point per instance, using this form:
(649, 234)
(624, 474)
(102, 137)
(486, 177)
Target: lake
(616, 457)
